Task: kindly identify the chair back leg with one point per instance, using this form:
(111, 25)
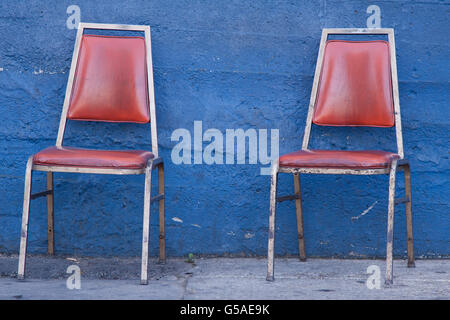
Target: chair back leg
(146, 223)
(390, 224)
(299, 212)
(271, 241)
(162, 232)
(25, 217)
(409, 224)
(50, 214)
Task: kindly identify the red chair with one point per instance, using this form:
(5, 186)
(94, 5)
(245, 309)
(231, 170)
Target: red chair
(355, 84)
(110, 79)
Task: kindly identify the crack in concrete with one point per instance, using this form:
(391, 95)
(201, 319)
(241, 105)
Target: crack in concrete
(185, 283)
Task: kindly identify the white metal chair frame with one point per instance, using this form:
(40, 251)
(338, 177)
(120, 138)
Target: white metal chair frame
(400, 164)
(156, 162)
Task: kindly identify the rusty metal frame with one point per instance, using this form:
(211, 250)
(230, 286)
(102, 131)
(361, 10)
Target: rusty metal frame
(396, 165)
(152, 164)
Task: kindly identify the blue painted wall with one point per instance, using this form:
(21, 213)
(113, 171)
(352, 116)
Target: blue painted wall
(231, 64)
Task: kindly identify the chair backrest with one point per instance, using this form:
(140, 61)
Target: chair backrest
(355, 84)
(111, 79)
(110, 82)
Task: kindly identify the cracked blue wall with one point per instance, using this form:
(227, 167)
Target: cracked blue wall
(231, 64)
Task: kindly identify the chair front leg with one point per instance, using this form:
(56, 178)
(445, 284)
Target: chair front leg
(146, 222)
(273, 203)
(409, 225)
(390, 224)
(162, 232)
(25, 216)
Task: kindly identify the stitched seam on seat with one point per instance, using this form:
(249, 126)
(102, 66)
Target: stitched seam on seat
(86, 166)
(372, 166)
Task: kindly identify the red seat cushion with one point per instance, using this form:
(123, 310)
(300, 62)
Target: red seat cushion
(76, 157)
(342, 159)
(355, 85)
(110, 82)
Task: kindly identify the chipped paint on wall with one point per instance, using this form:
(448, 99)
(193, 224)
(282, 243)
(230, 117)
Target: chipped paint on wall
(365, 211)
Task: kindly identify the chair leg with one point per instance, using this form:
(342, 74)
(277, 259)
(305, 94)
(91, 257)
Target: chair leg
(409, 227)
(162, 232)
(271, 242)
(146, 223)
(50, 214)
(299, 211)
(25, 216)
(390, 224)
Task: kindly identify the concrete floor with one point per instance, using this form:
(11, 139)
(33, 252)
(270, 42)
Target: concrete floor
(221, 278)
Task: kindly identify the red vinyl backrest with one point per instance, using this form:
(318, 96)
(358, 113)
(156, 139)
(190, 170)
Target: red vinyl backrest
(110, 82)
(355, 87)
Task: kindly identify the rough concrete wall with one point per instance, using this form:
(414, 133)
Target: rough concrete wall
(231, 64)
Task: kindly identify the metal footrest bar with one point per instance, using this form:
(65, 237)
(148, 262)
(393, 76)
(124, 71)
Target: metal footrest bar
(401, 200)
(156, 198)
(41, 194)
(286, 198)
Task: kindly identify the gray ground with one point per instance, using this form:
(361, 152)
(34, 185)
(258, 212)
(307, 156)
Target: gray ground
(221, 278)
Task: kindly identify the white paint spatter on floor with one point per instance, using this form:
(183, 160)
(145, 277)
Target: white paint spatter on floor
(176, 219)
(365, 211)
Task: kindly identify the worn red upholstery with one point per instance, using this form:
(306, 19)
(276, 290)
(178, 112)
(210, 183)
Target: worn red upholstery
(77, 157)
(110, 82)
(355, 85)
(341, 159)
